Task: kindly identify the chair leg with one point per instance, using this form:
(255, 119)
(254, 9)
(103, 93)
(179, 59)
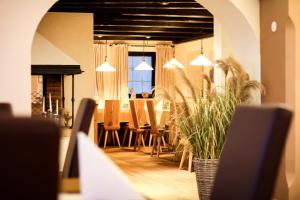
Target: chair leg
(163, 140)
(183, 157)
(130, 138)
(117, 136)
(99, 139)
(113, 137)
(143, 141)
(140, 140)
(190, 160)
(136, 140)
(105, 139)
(125, 134)
(154, 144)
(150, 140)
(158, 145)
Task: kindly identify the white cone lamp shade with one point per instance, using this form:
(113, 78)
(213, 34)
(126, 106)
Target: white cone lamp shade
(201, 60)
(105, 67)
(173, 63)
(143, 66)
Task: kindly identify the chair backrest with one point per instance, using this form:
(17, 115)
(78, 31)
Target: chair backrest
(252, 152)
(140, 110)
(134, 115)
(112, 114)
(82, 123)
(152, 115)
(5, 109)
(29, 158)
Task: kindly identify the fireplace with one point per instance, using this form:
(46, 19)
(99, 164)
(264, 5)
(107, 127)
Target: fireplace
(48, 85)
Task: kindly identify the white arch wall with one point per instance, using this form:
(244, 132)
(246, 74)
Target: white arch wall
(18, 22)
(240, 20)
(293, 9)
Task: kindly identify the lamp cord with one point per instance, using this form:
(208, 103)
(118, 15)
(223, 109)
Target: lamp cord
(201, 47)
(105, 58)
(143, 50)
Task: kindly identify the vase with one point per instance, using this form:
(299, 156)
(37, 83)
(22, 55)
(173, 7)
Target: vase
(205, 170)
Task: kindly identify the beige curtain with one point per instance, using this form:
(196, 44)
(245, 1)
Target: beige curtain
(112, 85)
(164, 78)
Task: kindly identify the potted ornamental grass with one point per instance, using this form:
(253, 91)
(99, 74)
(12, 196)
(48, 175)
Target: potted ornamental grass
(205, 119)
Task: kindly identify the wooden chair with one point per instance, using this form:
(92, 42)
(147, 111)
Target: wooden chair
(252, 152)
(29, 151)
(82, 123)
(186, 151)
(136, 121)
(155, 131)
(183, 141)
(137, 128)
(111, 120)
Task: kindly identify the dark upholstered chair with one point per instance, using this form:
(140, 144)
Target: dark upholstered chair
(5, 109)
(252, 153)
(29, 158)
(82, 123)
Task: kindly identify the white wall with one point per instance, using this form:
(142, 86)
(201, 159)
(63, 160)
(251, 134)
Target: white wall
(43, 52)
(240, 19)
(250, 10)
(18, 22)
(72, 33)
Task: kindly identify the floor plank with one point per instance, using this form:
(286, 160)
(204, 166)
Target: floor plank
(155, 178)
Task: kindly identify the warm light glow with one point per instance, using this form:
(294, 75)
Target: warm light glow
(105, 67)
(101, 104)
(125, 104)
(143, 66)
(201, 61)
(159, 106)
(173, 63)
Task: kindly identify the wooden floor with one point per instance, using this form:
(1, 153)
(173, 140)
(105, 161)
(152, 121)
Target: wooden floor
(155, 178)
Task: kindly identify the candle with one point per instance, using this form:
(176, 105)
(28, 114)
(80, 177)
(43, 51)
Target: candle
(57, 106)
(50, 103)
(43, 104)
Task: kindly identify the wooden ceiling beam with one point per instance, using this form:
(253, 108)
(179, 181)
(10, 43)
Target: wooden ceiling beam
(161, 30)
(130, 1)
(150, 28)
(163, 24)
(133, 4)
(99, 18)
(152, 11)
(143, 34)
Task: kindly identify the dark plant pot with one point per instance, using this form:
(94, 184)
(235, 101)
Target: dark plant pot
(205, 170)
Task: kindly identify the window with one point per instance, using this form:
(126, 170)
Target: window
(141, 81)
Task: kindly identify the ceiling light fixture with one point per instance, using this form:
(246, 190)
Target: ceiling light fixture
(173, 63)
(201, 60)
(105, 67)
(143, 65)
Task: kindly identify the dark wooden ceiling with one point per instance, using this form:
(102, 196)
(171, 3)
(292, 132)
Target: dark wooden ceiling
(172, 20)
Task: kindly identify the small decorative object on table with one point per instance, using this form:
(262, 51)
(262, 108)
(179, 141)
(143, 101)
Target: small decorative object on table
(67, 118)
(145, 94)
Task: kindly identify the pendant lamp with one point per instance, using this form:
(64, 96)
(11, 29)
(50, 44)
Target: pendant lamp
(173, 63)
(143, 65)
(201, 60)
(105, 67)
